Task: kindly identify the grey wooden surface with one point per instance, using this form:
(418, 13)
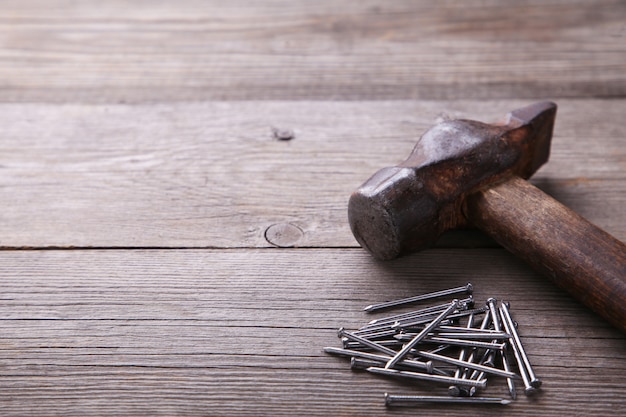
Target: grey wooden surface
(121, 50)
(240, 332)
(145, 194)
(212, 174)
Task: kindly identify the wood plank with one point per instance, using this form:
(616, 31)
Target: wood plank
(123, 51)
(212, 174)
(240, 332)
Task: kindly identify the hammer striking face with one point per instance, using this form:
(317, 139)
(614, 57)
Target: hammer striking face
(464, 172)
(406, 208)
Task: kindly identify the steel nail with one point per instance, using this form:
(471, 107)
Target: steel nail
(493, 311)
(375, 333)
(483, 326)
(490, 355)
(358, 363)
(361, 363)
(473, 335)
(467, 289)
(469, 301)
(528, 388)
(348, 344)
(440, 348)
(474, 330)
(405, 350)
(410, 400)
(509, 381)
(418, 365)
(487, 360)
(428, 377)
(416, 321)
(455, 335)
(451, 316)
(465, 364)
(495, 316)
(343, 333)
(465, 342)
(455, 390)
(534, 381)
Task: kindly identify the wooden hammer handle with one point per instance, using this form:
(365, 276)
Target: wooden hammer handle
(578, 256)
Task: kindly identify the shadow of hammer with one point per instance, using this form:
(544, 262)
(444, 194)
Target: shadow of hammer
(464, 172)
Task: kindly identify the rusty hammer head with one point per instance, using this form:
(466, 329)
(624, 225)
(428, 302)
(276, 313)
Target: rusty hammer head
(406, 208)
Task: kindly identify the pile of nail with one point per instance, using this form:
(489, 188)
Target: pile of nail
(454, 344)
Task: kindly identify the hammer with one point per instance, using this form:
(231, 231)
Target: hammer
(466, 173)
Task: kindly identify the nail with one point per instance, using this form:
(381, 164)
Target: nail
(467, 289)
(357, 363)
(398, 325)
(428, 377)
(465, 364)
(475, 330)
(454, 390)
(528, 388)
(469, 301)
(483, 326)
(457, 315)
(409, 400)
(347, 344)
(495, 317)
(509, 381)
(343, 333)
(504, 310)
(360, 363)
(497, 336)
(456, 335)
(467, 375)
(439, 349)
(418, 365)
(375, 333)
(493, 310)
(405, 350)
(490, 354)
(487, 360)
(458, 342)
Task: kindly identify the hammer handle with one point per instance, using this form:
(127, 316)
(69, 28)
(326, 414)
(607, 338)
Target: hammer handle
(578, 256)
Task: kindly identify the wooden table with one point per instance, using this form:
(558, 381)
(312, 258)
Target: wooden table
(166, 254)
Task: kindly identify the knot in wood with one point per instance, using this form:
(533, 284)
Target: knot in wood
(283, 235)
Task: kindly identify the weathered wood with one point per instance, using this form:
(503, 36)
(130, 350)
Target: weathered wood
(240, 332)
(212, 174)
(123, 51)
(576, 255)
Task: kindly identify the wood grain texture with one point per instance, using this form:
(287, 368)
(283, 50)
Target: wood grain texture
(240, 332)
(212, 174)
(579, 257)
(122, 51)
(129, 134)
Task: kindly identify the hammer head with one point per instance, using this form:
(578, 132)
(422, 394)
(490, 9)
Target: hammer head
(406, 208)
